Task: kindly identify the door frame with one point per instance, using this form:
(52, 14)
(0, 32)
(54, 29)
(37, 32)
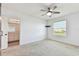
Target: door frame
(19, 34)
(4, 40)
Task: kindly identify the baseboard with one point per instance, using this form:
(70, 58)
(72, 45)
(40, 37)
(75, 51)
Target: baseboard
(13, 41)
(66, 43)
(32, 43)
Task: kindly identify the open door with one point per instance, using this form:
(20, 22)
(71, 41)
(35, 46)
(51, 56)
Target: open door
(4, 29)
(1, 33)
(10, 37)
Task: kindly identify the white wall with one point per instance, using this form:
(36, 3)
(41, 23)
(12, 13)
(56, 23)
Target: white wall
(72, 29)
(32, 29)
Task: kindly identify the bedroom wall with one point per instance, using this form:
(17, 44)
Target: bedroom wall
(72, 36)
(32, 30)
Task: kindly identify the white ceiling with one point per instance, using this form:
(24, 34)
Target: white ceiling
(33, 9)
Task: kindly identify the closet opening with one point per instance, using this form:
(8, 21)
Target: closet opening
(14, 33)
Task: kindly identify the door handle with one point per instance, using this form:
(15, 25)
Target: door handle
(5, 34)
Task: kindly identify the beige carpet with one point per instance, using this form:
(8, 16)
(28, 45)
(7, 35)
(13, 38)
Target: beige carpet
(42, 48)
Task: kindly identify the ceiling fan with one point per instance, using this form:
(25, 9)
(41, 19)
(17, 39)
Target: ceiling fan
(50, 11)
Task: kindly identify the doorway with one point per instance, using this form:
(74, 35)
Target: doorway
(14, 33)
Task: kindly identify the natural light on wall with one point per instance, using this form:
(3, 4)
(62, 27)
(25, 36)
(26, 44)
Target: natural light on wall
(59, 28)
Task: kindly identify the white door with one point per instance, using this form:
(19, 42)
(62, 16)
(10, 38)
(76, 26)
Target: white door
(4, 37)
(0, 34)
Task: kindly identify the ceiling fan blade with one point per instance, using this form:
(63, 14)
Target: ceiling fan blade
(43, 14)
(51, 5)
(56, 12)
(54, 7)
(43, 10)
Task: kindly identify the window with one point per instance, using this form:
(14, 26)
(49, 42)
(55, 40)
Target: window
(59, 28)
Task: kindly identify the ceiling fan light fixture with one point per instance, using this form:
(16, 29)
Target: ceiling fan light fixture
(51, 10)
(49, 13)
